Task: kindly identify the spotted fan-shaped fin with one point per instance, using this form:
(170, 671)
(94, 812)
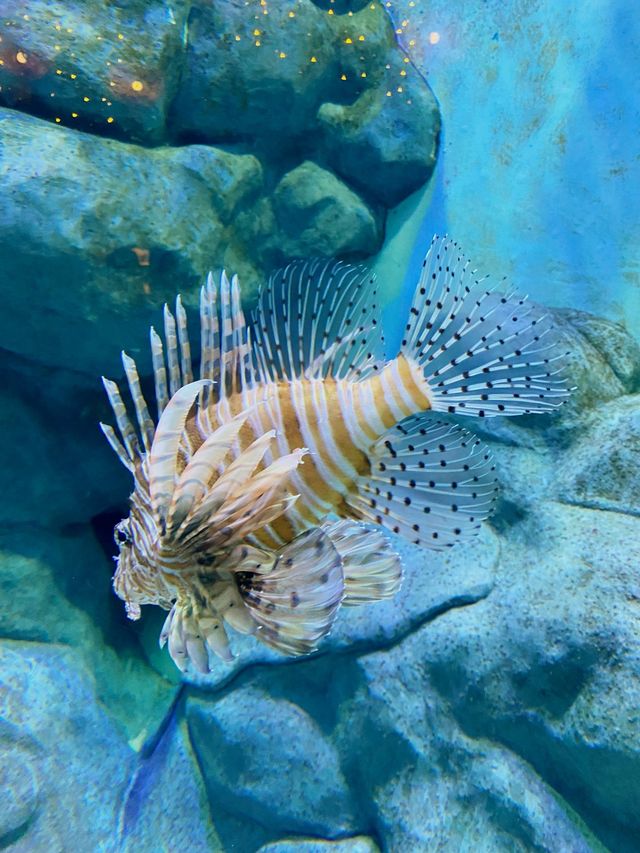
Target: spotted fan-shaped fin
(317, 318)
(483, 353)
(372, 569)
(295, 602)
(431, 482)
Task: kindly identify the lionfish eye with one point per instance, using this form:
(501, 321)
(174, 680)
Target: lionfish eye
(121, 534)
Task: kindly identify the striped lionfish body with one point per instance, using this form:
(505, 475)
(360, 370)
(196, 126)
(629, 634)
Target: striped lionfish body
(295, 418)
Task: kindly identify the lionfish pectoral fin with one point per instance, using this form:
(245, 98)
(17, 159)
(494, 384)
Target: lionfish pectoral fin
(372, 569)
(431, 482)
(295, 603)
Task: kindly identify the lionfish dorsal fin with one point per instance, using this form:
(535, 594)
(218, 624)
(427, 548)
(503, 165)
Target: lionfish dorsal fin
(164, 450)
(317, 318)
(201, 469)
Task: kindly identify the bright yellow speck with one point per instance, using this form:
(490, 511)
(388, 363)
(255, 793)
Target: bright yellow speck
(412, 3)
(73, 76)
(434, 38)
(364, 74)
(58, 27)
(348, 40)
(237, 38)
(399, 31)
(388, 94)
(412, 43)
(137, 85)
(360, 38)
(58, 120)
(86, 100)
(111, 83)
(26, 17)
(21, 57)
(399, 88)
(56, 47)
(405, 23)
(343, 77)
(263, 2)
(58, 71)
(406, 59)
(120, 36)
(403, 73)
(258, 44)
(74, 115)
(256, 32)
(313, 59)
(292, 14)
(330, 12)
(110, 120)
(282, 55)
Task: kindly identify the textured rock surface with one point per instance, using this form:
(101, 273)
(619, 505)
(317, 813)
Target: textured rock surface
(98, 232)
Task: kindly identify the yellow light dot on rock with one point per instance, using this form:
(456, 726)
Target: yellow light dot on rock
(344, 77)
(313, 59)
(348, 41)
(237, 38)
(406, 59)
(110, 120)
(120, 36)
(434, 38)
(399, 88)
(292, 14)
(256, 32)
(111, 83)
(360, 38)
(405, 23)
(85, 99)
(58, 27)
(56, 47)
(73, 76)
(388, 94)
(58, 120)
(58, 71)
(330, 12)
(412, 43)
(137, 85)
(74, 115)
(403, 73)
(21, 57)
(258, 44)
(364, 74)
(26, 17)
(282, 55)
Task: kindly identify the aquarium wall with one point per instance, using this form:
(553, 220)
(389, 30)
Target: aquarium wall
(492, 703)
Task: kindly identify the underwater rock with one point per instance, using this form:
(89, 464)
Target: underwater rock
(268, 768)
(49, 420)
(68, 746)
(335, 87)
(358, 844)
(549, 664)
(105, 68)
(319, 215)
(601, 470)
(105, 232)
(371, 142)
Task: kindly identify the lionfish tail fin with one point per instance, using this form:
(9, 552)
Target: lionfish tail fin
(483, 352)
(372, 569)
(431, 482)
(294, 594)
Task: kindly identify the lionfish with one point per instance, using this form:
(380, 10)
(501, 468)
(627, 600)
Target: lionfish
(251, 490)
